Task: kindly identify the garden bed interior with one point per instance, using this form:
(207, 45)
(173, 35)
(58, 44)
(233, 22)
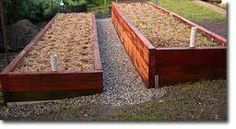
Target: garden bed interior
(73, 38)
(157, 42)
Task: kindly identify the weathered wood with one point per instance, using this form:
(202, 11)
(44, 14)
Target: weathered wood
(15, 83)
(170, 64)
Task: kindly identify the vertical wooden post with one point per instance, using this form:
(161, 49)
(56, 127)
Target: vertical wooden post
(5, 45)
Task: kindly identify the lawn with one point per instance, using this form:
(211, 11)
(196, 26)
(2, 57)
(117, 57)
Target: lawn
(191, 10)
(99, 6)
(185, 8)
(199, 101)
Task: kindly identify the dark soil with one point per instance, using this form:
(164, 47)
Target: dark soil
(218, 27)
(20, 34)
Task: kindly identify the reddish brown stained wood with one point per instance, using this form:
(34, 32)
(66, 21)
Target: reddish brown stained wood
(53, 82)
(184, 65)
(137, 46)
(131, 26)
(97, 63)
(170, 64)
(13, 82)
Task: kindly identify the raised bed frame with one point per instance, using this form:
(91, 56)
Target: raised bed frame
(18, 86)
(163, 66)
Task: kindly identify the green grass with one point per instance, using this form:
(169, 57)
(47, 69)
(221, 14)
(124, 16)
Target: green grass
(191, 10)
(185, 8)
(101, 9)
(99, 6)
(199, 101)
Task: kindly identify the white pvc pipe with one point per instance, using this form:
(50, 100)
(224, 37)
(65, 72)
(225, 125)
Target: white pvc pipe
(54, 62)
(193, 37)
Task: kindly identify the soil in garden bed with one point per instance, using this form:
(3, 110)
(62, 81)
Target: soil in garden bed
(161, 29)
(70, 38)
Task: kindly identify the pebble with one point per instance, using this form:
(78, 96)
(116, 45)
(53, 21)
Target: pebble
(122, 84)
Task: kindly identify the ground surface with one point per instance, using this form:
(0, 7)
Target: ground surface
(218, 27)
(200, 101)
(122, 86)
(125, 97)
(214, 7)
(19, 34)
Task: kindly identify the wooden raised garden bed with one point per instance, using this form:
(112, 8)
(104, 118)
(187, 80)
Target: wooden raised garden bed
(73, 38)
(157, 42)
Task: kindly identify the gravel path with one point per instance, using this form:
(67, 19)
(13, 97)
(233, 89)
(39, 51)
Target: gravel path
(122, 86)
(3, 59)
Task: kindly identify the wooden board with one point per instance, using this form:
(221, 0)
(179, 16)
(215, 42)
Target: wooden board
(181, 65)
(170, 65)
(137, 46)
(49, 82)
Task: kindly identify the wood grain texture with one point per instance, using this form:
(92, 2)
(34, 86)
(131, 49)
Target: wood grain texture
(170, 64)
(136, 45)
(97, 62)
(13, 82)
(191, 64)
(53, 81)
(32, 96)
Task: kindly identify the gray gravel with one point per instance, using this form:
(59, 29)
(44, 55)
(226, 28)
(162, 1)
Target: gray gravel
(3, 59)
(122, 86)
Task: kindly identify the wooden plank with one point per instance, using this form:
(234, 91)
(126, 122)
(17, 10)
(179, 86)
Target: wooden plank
(53, 82)
(170, 64)
(136, 45)
(191, 64)
(33, 96)
(97, 60)
(133, 28)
